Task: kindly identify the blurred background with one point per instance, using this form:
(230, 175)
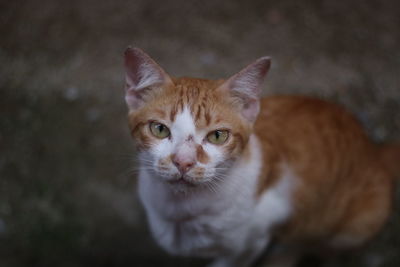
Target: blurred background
(67, 179)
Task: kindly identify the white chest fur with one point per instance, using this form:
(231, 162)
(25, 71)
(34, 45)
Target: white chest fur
(210, 223)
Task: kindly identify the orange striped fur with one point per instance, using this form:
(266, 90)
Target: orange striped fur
(345, 192)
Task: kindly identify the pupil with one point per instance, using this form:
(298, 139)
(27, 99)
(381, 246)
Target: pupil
(160, 128)
(217, 134)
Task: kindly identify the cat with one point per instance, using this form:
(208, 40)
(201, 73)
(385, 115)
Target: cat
(224, 172)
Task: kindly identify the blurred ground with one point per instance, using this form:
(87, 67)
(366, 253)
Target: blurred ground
(67, 186)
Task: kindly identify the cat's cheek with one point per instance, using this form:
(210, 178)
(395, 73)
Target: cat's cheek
(197, 174)
(214, 152)
(164, 165)
(161, 152)
(235, 147)
(216, 158)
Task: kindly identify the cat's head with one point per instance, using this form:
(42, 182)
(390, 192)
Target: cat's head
(190, 131)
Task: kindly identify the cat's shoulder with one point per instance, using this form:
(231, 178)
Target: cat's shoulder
(305, 110)
(298, 102)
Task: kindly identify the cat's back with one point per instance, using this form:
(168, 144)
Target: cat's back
(307, 130)
(336, 168)
(316, 126)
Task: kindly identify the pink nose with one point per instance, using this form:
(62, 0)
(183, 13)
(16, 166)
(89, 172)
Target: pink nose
(183, 164)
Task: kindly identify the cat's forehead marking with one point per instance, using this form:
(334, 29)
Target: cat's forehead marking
(184, 126)
(196, 95)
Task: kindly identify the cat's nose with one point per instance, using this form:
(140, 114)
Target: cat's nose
(183, 164)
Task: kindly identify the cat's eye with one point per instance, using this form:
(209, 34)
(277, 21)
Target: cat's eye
(159, 130)
(218, 137)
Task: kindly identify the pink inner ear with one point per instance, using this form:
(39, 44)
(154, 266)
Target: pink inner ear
(249, 80)
(251, 109)
(246, 84)
(141, 70)
(133, 99)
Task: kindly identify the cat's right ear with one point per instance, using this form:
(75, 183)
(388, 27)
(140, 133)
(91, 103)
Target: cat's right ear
(245, 87)
(142, 74)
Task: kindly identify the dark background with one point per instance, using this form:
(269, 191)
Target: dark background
(67, 175)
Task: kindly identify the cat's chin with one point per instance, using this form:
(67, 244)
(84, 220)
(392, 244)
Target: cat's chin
(184, 184)
(181, 186)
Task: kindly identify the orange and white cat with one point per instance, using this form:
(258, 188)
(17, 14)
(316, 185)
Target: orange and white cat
(223, 172)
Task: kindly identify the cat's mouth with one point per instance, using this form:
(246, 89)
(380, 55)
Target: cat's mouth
(181, 181)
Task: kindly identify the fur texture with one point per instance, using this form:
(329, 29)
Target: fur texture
(299, 170)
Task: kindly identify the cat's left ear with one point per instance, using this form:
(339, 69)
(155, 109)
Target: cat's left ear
(142, 74)
(245, 87)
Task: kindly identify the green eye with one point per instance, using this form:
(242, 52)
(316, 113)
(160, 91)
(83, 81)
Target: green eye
(159, 130)
(218, 137)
